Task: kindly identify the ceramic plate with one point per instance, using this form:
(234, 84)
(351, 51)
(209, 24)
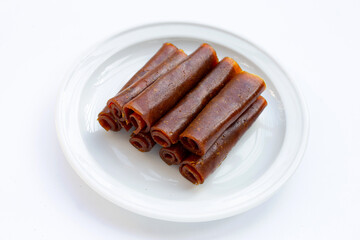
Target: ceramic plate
(265, 157)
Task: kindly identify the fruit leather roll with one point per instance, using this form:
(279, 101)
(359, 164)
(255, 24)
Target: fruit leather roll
(116, 103)
(150, 105)
(142, 141)
(164, 53)
(237, 95)
(197, 168)
(106, 119)
(173, 155)
(168, 129)
(124, 124)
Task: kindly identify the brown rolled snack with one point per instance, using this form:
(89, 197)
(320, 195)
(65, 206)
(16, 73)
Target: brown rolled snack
(174, 155)
(116, 103)
(168, 129)
(163, 54)
(237, 95)
(106, 119)
(127, 126)
(150, 105)
(142, 141)
(197, 168)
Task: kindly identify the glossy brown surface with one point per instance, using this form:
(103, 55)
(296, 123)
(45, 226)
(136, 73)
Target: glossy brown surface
(116, 103)
(142, 142)
(166, 91)
(125, 125)
(168, 129)
(161, 56)
(164, 53)
(108, 121)
(174, 154)
(197, 168)
(237, 95)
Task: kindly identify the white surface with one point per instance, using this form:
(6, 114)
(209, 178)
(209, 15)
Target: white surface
(264, 159)
(41, 196)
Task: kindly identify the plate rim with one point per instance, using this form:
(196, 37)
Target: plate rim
(264, 195)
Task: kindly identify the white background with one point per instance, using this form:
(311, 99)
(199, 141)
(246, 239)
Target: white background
(317, 43)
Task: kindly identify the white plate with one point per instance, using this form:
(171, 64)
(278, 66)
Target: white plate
(260, 163)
